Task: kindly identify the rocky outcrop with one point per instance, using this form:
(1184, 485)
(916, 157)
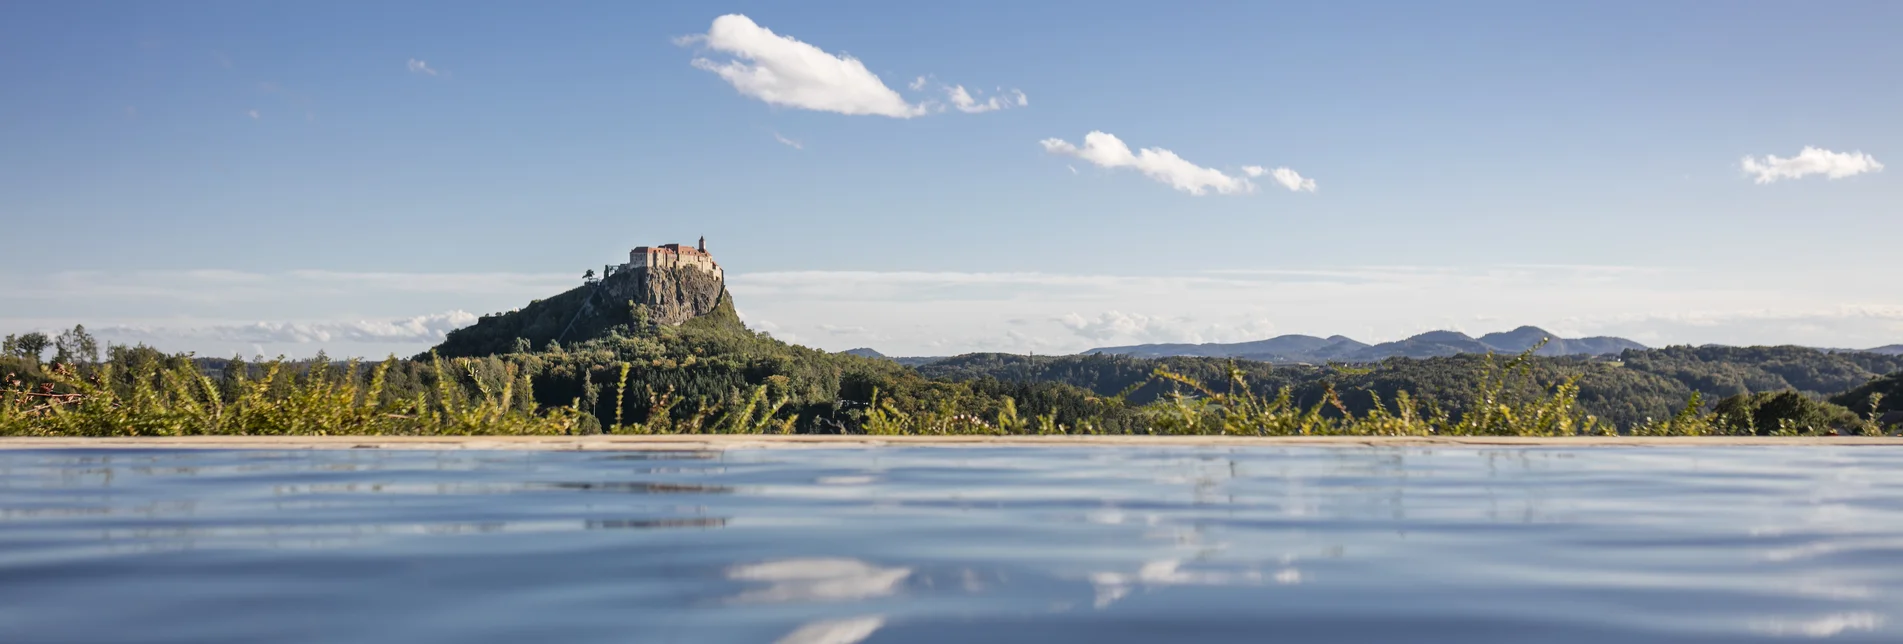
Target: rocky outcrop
(672, 295)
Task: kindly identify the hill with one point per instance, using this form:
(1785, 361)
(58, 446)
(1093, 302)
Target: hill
(1285, 348)
(1306, 348)
(1527, 337)
(629, 299)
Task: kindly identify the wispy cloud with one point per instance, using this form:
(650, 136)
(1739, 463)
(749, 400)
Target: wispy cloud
(1113, 325)
(421, 67)
(940, 313)
(937, 313)
(836, 329)
(781, 70)
(243, 287)
(1287, 178)
(963, 101)
(1108, 151)
(423, 328)
(253, 114)
(1809, 162)
(789, 142)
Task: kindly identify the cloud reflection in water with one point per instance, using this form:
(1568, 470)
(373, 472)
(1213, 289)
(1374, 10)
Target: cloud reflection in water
(791, 580)
(834, 631)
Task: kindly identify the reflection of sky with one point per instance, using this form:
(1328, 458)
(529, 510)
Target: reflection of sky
(851, 545)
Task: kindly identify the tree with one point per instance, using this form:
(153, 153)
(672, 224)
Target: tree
(1782, 412)
(76, 347)
(588, 277)
(1876, 397)
(28, 346)
(235, 373)
(638, 314)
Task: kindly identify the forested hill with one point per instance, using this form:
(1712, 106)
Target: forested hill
(626, 302)
(1305, 348)
(1639, 384)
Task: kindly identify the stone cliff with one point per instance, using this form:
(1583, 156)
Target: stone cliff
(671, 295)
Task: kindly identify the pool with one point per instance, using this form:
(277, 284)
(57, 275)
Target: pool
(954, 544)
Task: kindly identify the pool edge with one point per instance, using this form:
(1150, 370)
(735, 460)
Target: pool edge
(726, 442)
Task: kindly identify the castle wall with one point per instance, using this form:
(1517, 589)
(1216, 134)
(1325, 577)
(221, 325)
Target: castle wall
(666, 257)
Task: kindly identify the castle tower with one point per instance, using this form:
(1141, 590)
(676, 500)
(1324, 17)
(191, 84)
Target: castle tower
(703, 244)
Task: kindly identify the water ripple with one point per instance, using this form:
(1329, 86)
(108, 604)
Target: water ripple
(1454, 544)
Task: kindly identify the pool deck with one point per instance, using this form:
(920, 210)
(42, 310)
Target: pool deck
(725, 442)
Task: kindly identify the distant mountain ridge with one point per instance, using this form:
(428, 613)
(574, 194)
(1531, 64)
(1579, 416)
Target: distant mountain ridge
(1307, 348)
(865, 352)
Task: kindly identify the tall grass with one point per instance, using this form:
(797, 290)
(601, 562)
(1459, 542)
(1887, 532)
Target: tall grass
(1242, 412)
(486, 396)
(155, 399)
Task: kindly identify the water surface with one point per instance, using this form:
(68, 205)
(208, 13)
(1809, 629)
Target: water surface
(991, 544)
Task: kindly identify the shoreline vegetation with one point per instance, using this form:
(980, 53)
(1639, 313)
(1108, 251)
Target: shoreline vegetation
(712, 376)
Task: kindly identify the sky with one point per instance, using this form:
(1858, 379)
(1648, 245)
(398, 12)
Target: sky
(932, 179)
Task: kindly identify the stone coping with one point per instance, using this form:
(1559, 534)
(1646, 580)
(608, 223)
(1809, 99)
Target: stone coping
(725, 442)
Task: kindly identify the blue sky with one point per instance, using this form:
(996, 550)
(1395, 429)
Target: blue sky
(281, 177)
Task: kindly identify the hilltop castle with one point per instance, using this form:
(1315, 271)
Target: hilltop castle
(675, 256)
(666, 285)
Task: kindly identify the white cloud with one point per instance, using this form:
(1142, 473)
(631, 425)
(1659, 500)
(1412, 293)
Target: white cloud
(962, 100)
(423, 328)
(145, 288)
(421, 67)
(1294, 182)
(216, 312)
(1288, 178)
(836, 329)
(783, 71)
(789, 142)
(191, 310)
(1117, 327)
(944, 313)
(1113, 324)
(1108, 151)
(252, 113)
(1810, 161)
